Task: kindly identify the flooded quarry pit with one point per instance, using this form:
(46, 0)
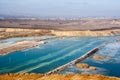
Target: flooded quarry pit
(58, 55)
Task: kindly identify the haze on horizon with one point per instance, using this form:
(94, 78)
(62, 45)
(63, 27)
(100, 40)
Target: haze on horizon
(61, 8)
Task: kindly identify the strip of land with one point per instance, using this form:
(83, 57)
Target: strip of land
(19, 45)
(20, 32)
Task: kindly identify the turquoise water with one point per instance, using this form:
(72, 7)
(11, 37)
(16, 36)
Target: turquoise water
(109, 67)
(46, 57)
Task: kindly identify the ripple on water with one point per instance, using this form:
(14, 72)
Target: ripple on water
(55, 53)
(111, 50)
(108, 66)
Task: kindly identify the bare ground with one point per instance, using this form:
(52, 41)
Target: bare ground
(4, 49)
(26, 76)
(58, 24)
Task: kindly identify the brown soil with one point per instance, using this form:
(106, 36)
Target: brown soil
(98, 57)
(17, 33)
(63, 24)
(92, 68)
(85, 66)
(26, 76)
(82, 65)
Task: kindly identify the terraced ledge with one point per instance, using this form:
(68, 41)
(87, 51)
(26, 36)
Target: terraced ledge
(32, 76)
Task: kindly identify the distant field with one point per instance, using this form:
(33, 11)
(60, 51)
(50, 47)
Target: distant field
(81, 24)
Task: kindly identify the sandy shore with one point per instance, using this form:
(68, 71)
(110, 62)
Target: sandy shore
(33, 76)
(20, 45)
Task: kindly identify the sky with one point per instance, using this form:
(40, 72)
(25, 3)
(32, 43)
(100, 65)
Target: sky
(61, 8)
